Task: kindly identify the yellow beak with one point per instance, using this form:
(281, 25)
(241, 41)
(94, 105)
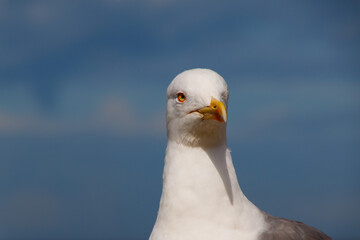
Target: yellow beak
(216, 110)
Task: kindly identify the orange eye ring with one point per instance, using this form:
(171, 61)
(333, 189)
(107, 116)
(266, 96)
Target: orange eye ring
(181, 97)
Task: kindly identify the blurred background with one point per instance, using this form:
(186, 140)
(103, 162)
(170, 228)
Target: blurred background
(82, 109)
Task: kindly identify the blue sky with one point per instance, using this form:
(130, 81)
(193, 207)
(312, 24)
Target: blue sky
(82, 109)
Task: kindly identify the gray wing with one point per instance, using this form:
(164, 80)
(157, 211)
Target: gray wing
(284, 229)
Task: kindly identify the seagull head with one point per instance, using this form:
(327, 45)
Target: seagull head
(197, 108)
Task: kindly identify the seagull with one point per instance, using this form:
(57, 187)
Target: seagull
(201, 198)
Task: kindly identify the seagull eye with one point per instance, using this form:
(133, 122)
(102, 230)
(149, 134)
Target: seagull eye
(181, 97)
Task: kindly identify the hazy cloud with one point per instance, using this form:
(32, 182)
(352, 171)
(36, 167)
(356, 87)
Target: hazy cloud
(111, 115)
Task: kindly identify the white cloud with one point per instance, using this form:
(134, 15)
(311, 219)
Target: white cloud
(112, 115)
(116, 114)
(288, 110)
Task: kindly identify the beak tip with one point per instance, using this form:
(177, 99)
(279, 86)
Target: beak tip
(216, 110)
(224, 117)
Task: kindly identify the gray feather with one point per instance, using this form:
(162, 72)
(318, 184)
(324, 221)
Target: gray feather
(284, 229)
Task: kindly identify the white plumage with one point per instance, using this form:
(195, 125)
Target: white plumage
(201, 197)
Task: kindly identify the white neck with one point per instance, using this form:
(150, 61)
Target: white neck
(201, 197)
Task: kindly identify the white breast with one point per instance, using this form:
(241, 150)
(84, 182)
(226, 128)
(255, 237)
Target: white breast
(202, 199)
